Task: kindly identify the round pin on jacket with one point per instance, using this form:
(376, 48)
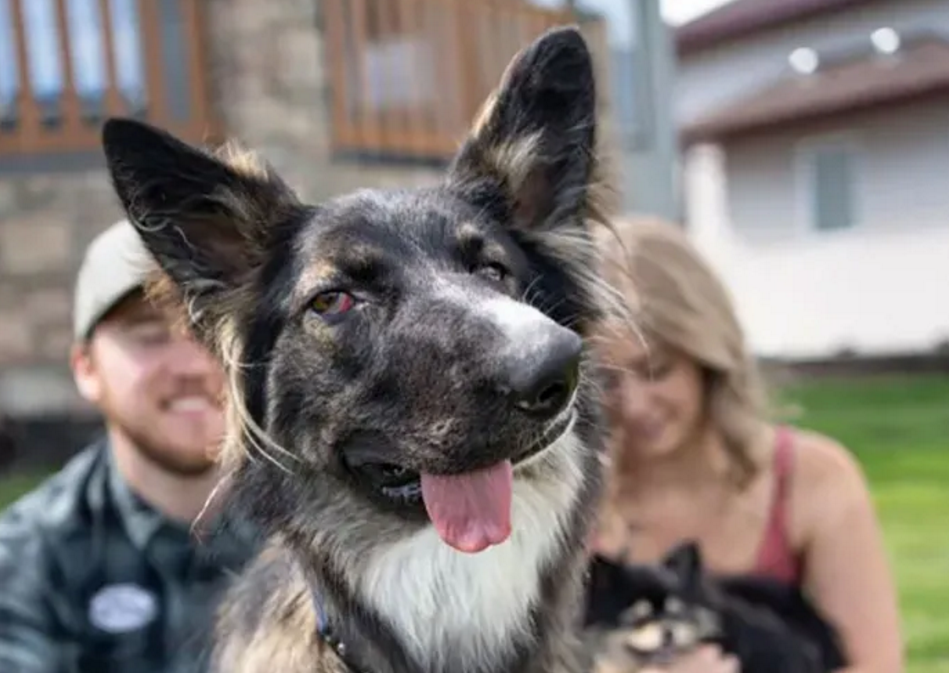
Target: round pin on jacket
(118, 608)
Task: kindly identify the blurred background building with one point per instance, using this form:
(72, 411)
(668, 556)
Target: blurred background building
(816, 144)
(803, 143)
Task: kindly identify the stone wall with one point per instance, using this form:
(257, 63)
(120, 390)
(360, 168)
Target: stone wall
(46, 220)
(272, 91)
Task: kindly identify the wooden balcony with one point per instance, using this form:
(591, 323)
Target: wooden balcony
(408, 76)
(67, 64)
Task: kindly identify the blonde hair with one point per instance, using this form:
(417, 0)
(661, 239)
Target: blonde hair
(677, 300)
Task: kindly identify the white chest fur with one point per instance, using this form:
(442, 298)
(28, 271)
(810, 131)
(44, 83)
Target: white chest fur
(445, 603)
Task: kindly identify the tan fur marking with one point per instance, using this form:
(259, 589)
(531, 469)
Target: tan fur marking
(467, 230)
(641, 609)
(163, 293)
(513, 160)
(286, 639)
(484, 113)
(315, 274)
(242, 160)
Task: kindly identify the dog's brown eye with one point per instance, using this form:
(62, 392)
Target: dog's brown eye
(332, 303)
(493, 271)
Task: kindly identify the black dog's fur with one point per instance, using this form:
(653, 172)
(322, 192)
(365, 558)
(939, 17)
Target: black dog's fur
(770, 626)
(378, 336)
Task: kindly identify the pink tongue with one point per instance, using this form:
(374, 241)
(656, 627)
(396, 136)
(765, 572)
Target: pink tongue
(471, 511)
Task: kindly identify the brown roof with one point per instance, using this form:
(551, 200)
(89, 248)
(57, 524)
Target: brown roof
(920, 67)
(743, 17)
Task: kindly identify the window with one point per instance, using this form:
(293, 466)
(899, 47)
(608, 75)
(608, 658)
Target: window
(408, 78)
(829, 185)
(142, 59)
(87, 56)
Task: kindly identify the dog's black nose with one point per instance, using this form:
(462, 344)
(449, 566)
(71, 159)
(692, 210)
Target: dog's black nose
(543, 377)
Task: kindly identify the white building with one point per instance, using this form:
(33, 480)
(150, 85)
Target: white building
(816, 169)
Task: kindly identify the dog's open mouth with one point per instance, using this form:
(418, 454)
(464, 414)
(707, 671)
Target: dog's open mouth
(470, 511)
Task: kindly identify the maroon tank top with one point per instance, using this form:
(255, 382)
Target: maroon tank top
(776, 557)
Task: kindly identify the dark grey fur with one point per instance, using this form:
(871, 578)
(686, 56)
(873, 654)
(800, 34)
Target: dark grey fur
(406, 376)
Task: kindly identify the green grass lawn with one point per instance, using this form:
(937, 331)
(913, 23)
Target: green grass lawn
(899, 429)
(14, 485)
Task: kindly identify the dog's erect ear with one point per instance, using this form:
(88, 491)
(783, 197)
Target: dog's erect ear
(203, 220)
(685, 561)
(530, 155)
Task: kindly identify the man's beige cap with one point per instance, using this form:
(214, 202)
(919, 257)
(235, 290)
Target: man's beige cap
(116, 264)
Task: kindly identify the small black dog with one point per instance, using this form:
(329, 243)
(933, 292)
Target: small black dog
(648, 615)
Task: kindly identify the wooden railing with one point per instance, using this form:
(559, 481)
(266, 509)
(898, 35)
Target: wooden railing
(408, 76)
(141, 58)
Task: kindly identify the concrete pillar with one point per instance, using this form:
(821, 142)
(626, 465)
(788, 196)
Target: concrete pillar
(650, 183)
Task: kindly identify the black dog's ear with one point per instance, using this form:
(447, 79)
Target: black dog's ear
(685, 561)
(204, 220)
(529, 157)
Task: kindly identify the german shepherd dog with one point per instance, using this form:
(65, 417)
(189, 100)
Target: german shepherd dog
(413, 413)
(649, 615)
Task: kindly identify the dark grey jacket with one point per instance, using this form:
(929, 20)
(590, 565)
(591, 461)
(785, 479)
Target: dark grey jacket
(93, 579)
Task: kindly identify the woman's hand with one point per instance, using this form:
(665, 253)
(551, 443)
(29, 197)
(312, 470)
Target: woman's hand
(706, 659)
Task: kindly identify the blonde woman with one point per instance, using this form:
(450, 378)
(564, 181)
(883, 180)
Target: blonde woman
(694, 455)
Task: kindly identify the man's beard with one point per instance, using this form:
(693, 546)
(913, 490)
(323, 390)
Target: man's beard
(158, 451)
